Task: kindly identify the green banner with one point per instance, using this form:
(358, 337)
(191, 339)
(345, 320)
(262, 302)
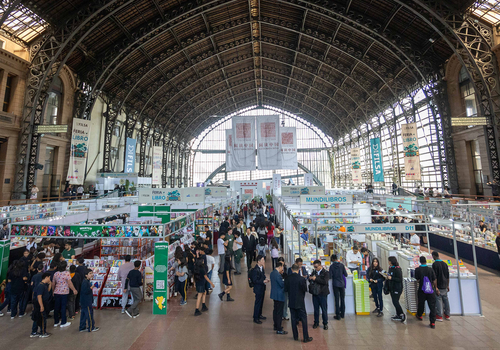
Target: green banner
(4, 259)
(86, 231)
(160, 293)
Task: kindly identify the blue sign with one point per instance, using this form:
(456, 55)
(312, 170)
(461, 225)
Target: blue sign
(325, 199)
(130, 155)
(378, 167)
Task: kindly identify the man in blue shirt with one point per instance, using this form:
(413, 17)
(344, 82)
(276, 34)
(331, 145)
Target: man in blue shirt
(278, 295)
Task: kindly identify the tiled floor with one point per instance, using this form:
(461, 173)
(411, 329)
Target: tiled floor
(229, 326)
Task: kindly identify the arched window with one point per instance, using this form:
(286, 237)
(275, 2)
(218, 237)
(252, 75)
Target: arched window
(467, 93)
(54, 103)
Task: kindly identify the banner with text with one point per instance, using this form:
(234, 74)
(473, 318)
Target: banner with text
(277, 184)
(130, 155)
(378, 167)
(218, 192)
(356, 166)
(296, 191)
(157, 160)
(268, 145)
(79, 151)
(244, 143)
(411, 152)
(308, 179)
(347, 199)
(288, 148)
(193, 194)
(229, 150)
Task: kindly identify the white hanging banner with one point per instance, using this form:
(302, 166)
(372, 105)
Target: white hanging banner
(244, 143)
(229, 150)
(157, 160)
(193, 194)
(268, 145)
(288, 147)
(277, 184)
(79, 151)
(308, 179)
(410, 148)
(356, 166)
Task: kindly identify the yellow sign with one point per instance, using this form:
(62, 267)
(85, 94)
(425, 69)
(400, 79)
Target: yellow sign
(160, 302)
(469, 121)
(48, 129)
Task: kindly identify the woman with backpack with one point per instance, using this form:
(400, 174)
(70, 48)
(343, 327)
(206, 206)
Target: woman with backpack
(261, 247)
(376, 280)
(395, 278)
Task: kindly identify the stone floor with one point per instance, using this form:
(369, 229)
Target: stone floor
(229, 326)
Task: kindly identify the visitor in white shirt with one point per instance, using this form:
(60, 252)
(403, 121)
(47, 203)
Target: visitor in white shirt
(353, 259)
(414, 239)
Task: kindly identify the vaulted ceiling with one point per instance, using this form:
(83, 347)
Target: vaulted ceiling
(177, 63)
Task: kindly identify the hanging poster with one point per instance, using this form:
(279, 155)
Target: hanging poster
(378, 167)
(410, 148)
(157, 160)
(229, 150)
(216, 191)
(130, 155)
(268, 148)
(248, 194)
(308, 179)
(288, 147)
(296, 191)
(356, 166)
(243, 143)
(277, 184)
(193, 194)
(79, 151)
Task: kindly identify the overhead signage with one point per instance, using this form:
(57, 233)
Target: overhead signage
(216, 191)
(277, 184)
(193, 194)
(387, 228)
(130, 155)
(51, 129)
(295, 191)
(378, 167)
(469, 121)
(308, 179)
(411, 151)
(78, 152)
(356, 165)
(325, 199)
(118, 175)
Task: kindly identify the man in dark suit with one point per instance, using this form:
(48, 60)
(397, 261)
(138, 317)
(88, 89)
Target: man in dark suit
(278, 296)
(296, 287)
(249, 246)
(338, 275)
(302, 269)
(320, 291)
(259, 288)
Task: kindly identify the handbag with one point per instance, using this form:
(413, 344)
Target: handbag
(314, 288)
(387, 287)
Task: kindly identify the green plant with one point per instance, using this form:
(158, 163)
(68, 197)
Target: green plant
(269, 198)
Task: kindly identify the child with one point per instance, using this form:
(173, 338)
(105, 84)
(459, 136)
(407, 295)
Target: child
(77, 282)
(86, 298)
(181, 272)
(200, 278)
(41, 298)
(134, 281)
(261, 248)
(274, 252)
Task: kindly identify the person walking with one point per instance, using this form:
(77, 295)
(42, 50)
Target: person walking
(249, 246)
(87, 323)
(221, 250)
(338, 274)
(427, 290)
(200, 277)
(41, 297)
(318, 287)
(238, 252)
(18, 279)
(278, 297)
(134, 282)
(395, 277)
(285, 275)
(258, 278)
(61, 284)
(181, 272)
(123, 271)
(376, 279)
(296, 287)
(275, 253)
(227, 280)
(443, 287)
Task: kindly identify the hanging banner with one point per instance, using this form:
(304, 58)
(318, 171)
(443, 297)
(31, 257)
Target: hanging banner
(130, 155)
(244, 143)
(79, 151)
(157, 160)
(248, 194)
(160, 290)
(193, 194)
(296, 191)
(268, 145)
(378, 167)
(159, 195)
(229, 150)
(288, 148)
(356, 166)
(277, 184)
(216, 191)
(410, 147)
(308, 179)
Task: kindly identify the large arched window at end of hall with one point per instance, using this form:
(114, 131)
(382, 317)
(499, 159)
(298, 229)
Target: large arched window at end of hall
(54, 102)
(467, 94)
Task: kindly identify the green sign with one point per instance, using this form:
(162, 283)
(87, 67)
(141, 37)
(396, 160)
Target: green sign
(86, 231)
(4, 259)
(158, 211)
(160, 293)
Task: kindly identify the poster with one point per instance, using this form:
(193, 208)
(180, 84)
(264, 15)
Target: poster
(79, 151)
(160, 293)
(356, 166)
(296, 191)
(277, 184)
(229, 150)
(216, 191)
(288, 148)
(411, 152)
(244, 143)
(308, 179)
(87, 231)
(193, 194)
(248, 194)
(157, 160)
(376, 153)
(130, 155)
(268, 145)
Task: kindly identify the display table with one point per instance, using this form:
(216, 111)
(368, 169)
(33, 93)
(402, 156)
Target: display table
(485, 256)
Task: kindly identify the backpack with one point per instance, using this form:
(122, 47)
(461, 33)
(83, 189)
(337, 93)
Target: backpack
(427, 286)
(261, 250)
(250, 282)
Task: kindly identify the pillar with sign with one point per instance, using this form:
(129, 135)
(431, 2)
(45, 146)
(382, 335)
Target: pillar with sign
(160, 294)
